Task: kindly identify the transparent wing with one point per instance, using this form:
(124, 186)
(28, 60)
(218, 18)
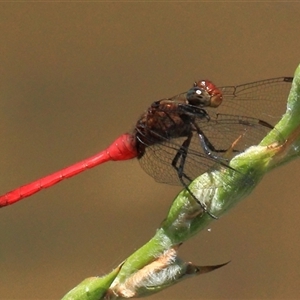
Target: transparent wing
(265, 99)
(239, 122)
(228, 134)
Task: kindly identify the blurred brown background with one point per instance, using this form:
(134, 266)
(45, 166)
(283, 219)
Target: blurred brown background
(74, 76)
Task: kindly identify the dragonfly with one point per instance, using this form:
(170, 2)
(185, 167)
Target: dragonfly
(179, 138)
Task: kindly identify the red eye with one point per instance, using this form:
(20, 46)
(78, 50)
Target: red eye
(214, 93)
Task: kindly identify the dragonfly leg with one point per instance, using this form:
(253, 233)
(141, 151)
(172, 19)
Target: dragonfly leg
(181, 157)
(209, 148)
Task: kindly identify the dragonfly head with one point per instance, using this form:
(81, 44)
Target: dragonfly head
(204, 93)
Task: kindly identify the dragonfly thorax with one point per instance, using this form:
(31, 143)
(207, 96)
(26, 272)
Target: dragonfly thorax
(165, 120)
